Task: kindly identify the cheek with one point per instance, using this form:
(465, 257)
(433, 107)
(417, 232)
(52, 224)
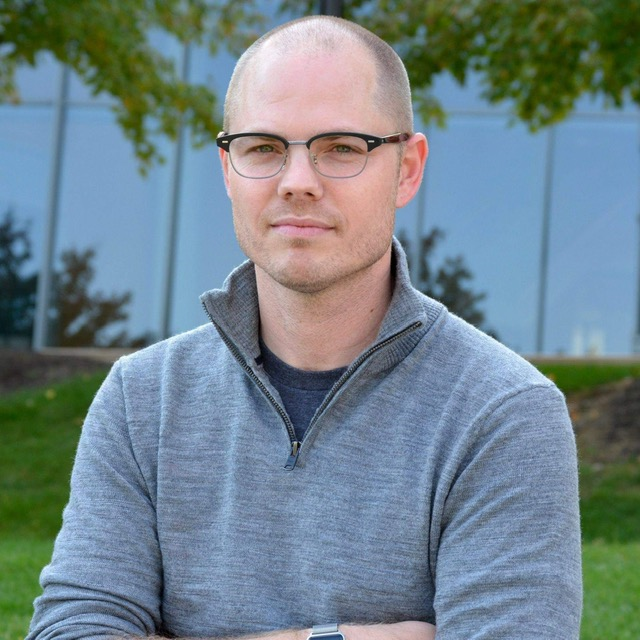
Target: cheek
(381, 199)
(249, 203)
(248, 199)
(370, 219)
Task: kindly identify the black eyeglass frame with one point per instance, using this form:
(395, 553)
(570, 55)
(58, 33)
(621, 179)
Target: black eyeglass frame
(224, 141)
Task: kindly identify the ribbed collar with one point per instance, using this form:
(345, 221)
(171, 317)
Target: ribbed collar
(234, 307)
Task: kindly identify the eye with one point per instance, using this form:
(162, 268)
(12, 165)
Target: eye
(341, 146)
(257, 146)
(263, 148)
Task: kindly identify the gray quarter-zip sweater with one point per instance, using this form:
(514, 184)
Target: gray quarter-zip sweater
(437, 482)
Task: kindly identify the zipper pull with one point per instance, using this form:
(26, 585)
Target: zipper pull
(293, 456)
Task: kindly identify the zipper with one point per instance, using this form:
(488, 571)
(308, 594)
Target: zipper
(292, 458)
(295, 444)
(357, 363)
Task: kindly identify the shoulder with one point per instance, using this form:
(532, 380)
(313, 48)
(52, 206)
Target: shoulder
(183, 360)
(177, 374)
(468, 353)
(194, 343)
(450, 348)
(471, 376)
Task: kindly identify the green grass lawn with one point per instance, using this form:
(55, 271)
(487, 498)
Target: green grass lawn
(40, 430)
(610, 507)
(577, 377)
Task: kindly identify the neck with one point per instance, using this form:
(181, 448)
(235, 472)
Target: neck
(324, 330)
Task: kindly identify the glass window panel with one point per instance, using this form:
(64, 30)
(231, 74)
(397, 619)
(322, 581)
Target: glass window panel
(25, 154)
(107, 206)
(80, 93)
(599, 105)
(594, 238)
(39, 83)
(207, 249)
(484, 189)
(212, 71)
(215, 71)
(456, 98)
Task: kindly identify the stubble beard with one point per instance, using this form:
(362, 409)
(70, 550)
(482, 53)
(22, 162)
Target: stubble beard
(312, 274)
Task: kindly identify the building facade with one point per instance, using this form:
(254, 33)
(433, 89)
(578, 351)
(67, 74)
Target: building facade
(547, 222)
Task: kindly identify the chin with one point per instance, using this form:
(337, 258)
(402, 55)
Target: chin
(315, 278)
(302, 284)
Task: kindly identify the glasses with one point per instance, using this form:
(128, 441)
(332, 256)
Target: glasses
(333, 155)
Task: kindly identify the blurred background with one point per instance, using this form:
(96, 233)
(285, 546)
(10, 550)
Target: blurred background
(113, 220)
(529, 229)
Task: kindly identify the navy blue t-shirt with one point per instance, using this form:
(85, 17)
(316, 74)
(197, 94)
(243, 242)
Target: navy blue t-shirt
(301, 391)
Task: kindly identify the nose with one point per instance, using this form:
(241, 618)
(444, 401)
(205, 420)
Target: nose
(298, 177)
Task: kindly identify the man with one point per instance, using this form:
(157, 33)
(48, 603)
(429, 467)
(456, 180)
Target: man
(333, 448)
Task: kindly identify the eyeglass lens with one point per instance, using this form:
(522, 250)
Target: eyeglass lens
(333, 156)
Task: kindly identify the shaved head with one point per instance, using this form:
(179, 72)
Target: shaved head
(319, 34)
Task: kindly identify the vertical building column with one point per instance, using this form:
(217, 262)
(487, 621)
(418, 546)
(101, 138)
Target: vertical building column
(171, 226)
(416, 253)
(331, 8)
(41, 330)
(636, 337)
(544, 245)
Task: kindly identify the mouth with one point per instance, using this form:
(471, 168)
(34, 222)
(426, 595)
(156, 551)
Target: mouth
(292, 226)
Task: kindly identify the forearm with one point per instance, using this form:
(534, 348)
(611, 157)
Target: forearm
(288, 634)
(409, 630)
(508, 561)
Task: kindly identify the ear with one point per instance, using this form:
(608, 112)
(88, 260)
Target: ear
(224, 162)
(411, 169)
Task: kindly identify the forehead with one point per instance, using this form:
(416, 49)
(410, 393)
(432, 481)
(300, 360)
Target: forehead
(314, 90)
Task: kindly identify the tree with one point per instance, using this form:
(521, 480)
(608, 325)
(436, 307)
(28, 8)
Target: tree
(540, 56)
(80, 317)
(17, 289)
(447, 283)
(84, 318)
(108, 43)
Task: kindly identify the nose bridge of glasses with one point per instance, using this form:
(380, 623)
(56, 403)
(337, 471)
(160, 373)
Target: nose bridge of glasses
(300, 143)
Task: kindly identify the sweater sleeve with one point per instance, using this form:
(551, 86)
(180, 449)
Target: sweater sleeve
(509, 560)
(104, 578)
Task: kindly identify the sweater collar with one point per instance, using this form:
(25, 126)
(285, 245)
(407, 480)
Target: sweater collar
(234, 310)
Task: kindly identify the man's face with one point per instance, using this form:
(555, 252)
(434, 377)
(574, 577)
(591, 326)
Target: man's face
(303, 230)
